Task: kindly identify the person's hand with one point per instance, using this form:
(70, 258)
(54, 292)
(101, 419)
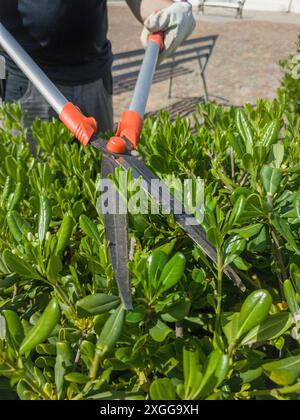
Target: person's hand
(177, 22)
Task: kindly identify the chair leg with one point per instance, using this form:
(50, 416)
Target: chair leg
(171, 79)
(206, 96)
(239, 14)
(201, 8)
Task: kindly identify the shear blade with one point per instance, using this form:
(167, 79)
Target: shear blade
(195, 232)
(116, 229)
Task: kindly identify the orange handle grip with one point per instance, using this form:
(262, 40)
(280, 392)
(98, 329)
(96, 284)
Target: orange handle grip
(129, 128)
(81, 126)
(158, 38)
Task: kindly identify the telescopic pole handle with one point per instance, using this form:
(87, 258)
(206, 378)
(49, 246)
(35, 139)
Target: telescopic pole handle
(131, 122)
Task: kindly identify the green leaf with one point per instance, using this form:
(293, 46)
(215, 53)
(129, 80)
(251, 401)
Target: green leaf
(271, 134)
(162, 390)
(112, 330)
(160, 332)
(14, 328)
(271, 178)
(296, 203)
(90, 229)
(237, 211)
(177, 312)
(64, 234)
(54, 268)
(295, 275)
(87, 351)
(18, 227)
(172, 272)
(291, 298)
(136, 316)
(168, 248)
(232, 249)
(24, 392)
(238, 146)
(17, 265)
(215, 372)
(245, 130)
(284, 229)
(44, 218)
(284, 372)
(77, 378)
(2, 327)
(248, 163)
(193, 375)
(96, 304)
(63, 365)
(254, 311)
(214, 237)
(248, 232)
(270, 329)
(230, 326)
(278, 152)
(241, 264)
(156, 263)
(42, 329)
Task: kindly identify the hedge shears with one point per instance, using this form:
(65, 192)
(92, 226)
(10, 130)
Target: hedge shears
(117, 152)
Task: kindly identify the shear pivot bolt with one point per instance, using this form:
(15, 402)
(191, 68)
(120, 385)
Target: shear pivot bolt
(117, 145)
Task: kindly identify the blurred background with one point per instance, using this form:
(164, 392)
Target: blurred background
(242, 66)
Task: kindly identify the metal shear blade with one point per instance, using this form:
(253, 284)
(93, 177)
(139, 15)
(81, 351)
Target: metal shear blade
(116, 229)
(195, 232)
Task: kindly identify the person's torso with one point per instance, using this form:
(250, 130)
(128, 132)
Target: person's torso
(60, 34)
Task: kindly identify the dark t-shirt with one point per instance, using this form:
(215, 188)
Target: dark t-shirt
(67, 38)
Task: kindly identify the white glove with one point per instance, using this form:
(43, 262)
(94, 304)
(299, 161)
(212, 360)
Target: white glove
(176, 21)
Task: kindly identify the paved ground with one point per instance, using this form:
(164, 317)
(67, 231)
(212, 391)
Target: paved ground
(244, 65)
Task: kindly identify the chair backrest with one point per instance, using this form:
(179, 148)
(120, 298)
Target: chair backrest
(225, 1)
(194, 49)
(127, 64)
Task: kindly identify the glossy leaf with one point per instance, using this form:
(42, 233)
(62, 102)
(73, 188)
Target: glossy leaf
(64, 234)
(270, 329)
(44, 217)
(162, 390)
(96, 304)
(254, 311)
(160, 332)
(291, 298)
(271, 134)
(63, 364)
(90, 229)
(14, 328)
(17, 265)
(156, 263)
(77, 378)
(177, 312)
(271, 178)
(245, 130)
(237, 210)
(112, 330)
(172, 272)
(295, 275)
(17, 226)
(283, 372)
(43, 329)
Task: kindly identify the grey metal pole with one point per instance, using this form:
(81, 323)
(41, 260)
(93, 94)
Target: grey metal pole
(43, 84)
(145, 79)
